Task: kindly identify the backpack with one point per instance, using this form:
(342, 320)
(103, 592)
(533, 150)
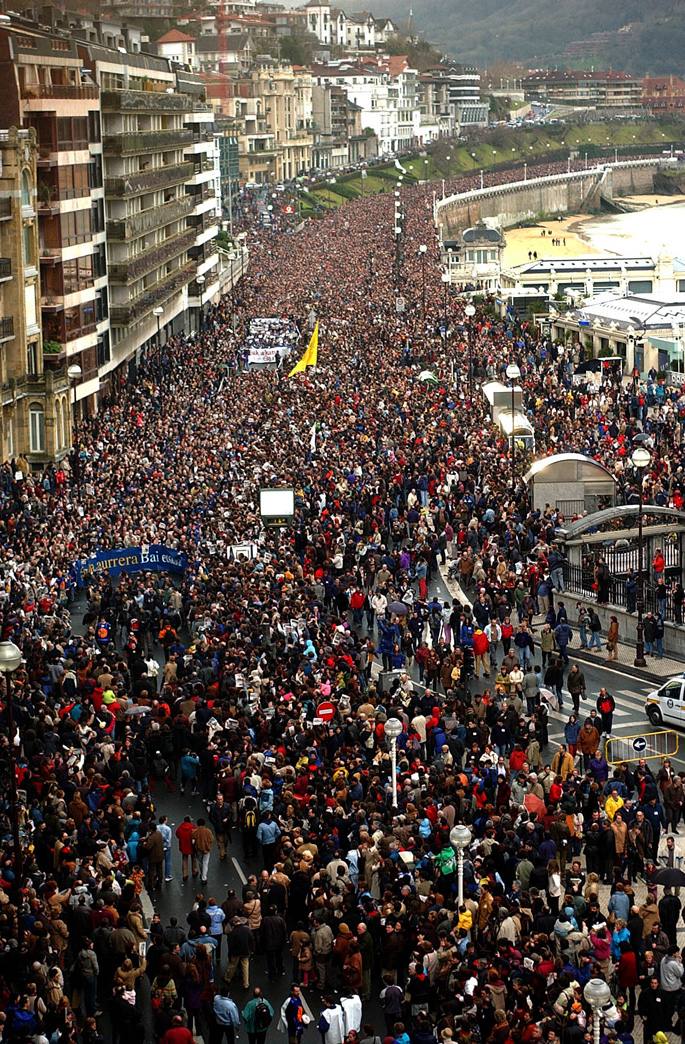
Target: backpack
(250, 819)
(323, 1024)
(262, 1017)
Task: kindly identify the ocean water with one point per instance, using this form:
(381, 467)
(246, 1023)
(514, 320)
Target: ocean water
(657, 230)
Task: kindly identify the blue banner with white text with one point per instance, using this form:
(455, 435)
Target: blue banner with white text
(155, 558)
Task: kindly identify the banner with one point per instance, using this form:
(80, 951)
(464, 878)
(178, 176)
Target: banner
(153, 558)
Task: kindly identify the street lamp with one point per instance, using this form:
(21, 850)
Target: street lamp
(469, 312)
(200, 280)
(158, 313)
(422, 252)
(514, 374)
(460, 838)
(393, 729)
(445, 283)
(74, 373)
(640, 458)
(597, 994)
(10, 661)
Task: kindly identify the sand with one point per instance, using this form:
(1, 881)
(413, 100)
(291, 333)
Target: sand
(521, 240)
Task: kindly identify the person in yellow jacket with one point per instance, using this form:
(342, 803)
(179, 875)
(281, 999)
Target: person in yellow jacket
(465, 919)
(612, 805)
(563, 762)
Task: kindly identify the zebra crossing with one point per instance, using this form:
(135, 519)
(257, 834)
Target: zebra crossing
(629, 714)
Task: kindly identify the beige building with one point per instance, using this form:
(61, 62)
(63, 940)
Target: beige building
(35, 417)
(286, 93)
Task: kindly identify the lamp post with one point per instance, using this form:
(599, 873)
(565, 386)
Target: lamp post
(393, 729)
(460, 839)
(445, 285)
(514, 374)
(422, 252)
(469, 312)
(74, 373)
(158, 313)
(640, 458)
(597, 994)
(10, 661)
(200, 280)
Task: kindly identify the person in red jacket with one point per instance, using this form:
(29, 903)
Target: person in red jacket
(184, 833)
(177, 1033)
(481, 650)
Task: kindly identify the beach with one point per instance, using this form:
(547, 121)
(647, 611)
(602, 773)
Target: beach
(589, 235)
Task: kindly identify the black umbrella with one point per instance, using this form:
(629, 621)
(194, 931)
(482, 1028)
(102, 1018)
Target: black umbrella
(669, 876)
(398, 608)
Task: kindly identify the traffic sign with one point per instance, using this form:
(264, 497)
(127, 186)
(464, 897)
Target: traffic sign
(326, 711)
(639, 744)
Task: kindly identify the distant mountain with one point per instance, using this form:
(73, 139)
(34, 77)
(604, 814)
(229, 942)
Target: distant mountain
(632, 34)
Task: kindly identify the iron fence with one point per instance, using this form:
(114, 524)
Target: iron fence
(581, 580)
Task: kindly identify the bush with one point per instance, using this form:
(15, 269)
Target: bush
(51, 347)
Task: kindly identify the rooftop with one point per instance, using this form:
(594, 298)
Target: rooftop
(582, 264)
(176, 36)
(642, 311)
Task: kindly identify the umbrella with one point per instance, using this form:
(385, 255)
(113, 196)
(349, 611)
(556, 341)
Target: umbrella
(136, 710)
(398, 608)
(534, 804)
(428, 377)
(550, 697)
(669, 875)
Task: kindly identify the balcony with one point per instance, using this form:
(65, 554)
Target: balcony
(148, 180)
(123, 315)
(143, 101)
(155, 217)
(5, 209)
(202, 222)
(64, 91)
(6, 328)
(5, 268)
(146, 141)
(157, 255)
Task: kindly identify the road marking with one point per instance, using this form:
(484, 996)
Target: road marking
(305, 1005)
(239, 870)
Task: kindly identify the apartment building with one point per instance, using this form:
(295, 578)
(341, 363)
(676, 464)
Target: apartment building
(256, 141)
(387, 102)
(45, 87)
(161, 187)
(611, 90)
(358, 31)
(436, 116)
(285, 113)
(35, 416)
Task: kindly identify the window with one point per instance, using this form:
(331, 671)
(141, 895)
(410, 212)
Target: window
(36, 429)
(32, 358)
(9, 428)
(29, 257)
(25, 189)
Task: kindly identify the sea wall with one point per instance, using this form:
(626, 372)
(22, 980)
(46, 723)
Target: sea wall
(520, 201)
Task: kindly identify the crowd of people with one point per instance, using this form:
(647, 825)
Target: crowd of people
(211, 682)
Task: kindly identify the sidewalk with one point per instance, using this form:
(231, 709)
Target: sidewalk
(656, 669)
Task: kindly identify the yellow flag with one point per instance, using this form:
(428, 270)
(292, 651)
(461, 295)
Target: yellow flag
(311, 354)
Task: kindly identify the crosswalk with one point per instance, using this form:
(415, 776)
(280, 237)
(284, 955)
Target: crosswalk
(629, 715)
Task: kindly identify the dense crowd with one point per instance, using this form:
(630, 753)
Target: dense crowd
(211, 682)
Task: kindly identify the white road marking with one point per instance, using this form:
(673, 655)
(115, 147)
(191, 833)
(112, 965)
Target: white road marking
(239, 870)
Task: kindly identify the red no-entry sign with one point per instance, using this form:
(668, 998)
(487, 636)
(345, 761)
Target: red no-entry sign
(325, 711)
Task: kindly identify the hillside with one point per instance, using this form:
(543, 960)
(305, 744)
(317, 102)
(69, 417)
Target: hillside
(632, 35)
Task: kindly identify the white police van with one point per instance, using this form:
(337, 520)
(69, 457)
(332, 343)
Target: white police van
(666, 705)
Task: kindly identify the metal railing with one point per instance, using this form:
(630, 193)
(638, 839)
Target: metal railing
(660, 744)
(146, 141)
(59, 90)
(581, 580)
(154, 217)
(152, 258)
(148, 180)
(122, 315)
